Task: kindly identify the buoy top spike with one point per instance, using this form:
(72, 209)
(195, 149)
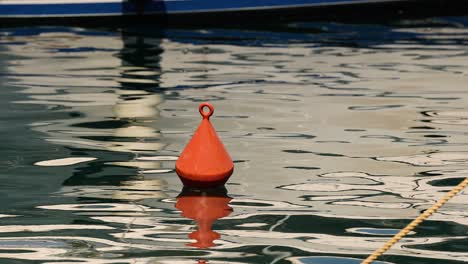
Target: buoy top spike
(205, 114)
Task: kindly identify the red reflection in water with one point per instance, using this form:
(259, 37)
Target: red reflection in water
(205, 207)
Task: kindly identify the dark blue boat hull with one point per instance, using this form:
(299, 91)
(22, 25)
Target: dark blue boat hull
(80, 8)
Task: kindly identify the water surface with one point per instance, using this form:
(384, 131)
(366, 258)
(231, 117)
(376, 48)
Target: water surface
(341, 134)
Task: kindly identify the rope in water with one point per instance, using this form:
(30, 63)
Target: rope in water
(416, 222)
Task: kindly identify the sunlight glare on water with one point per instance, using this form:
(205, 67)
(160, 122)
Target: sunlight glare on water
(341, 134)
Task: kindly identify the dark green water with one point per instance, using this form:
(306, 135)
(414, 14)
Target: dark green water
(341, 135)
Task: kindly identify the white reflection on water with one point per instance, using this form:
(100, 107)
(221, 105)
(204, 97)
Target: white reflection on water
(112, 207)
(4, 215)
(335, 260)
(158, 158)
(128, 190)
(64, 161)
(47, 228)
(433, 159)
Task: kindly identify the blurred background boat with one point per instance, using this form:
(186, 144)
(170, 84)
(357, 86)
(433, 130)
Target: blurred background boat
(191, 12)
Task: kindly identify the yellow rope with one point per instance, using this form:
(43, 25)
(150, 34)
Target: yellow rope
(416, 222)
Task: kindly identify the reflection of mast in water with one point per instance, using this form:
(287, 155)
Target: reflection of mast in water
(132, 126)
(138, 107)
(205, 207)
(137, 104)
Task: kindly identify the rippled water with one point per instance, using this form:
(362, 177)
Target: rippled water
(341, 134)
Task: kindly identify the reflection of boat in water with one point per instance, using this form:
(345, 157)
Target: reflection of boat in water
(99, 120)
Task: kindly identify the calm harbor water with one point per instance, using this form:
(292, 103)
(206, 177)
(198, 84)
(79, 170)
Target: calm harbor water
(341, 134)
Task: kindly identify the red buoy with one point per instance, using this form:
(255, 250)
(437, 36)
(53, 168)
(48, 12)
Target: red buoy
(204, 161)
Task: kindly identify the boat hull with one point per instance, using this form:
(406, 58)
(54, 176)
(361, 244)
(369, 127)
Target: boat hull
(99, 8)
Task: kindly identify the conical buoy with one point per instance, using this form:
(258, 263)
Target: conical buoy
(205, 208)
(204, 161)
